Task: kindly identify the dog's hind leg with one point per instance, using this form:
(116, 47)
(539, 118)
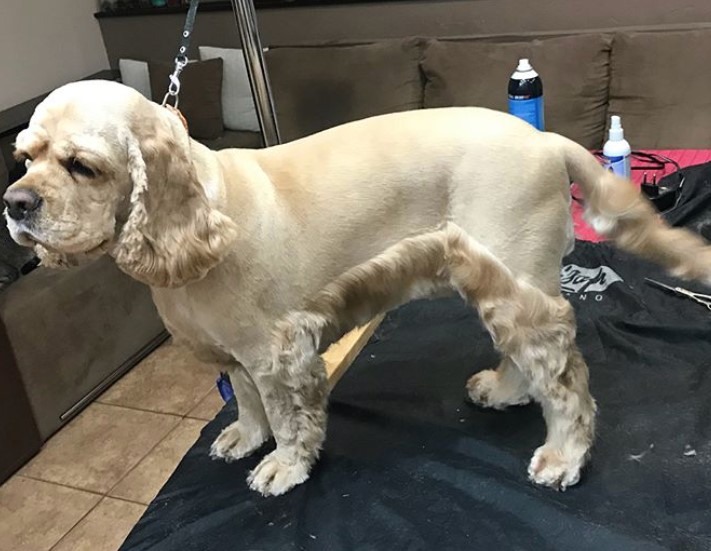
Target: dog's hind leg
(569, 411)
(537, 333)
(479, 276)
(499, 388)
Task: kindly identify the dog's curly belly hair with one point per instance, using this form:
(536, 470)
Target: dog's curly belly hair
(536, 332)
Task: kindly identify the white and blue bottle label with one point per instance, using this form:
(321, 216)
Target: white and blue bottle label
(530, 110)
(619, 165)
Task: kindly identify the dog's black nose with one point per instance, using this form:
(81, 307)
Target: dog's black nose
(21, 202)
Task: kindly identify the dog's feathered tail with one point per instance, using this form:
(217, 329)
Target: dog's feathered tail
(616, 209)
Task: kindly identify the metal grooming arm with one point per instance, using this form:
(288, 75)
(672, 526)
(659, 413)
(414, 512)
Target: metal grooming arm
(246, 19)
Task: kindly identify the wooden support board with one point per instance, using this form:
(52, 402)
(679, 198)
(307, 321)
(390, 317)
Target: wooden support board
(341, 354)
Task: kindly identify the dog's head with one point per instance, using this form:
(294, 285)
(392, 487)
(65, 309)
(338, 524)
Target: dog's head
(109, 171)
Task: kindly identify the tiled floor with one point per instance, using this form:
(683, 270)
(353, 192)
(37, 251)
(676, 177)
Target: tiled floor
(92, 480)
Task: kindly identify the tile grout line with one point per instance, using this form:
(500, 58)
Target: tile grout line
(103, 495)
(76, 524)
(106, 494)
(204, 396)
(199, 418)
(70, 487)
(175, 428)
(54, 546)
(182, 418)
(86, 490)
(99, 400)
(133, 501)
(134, 408)
(171, 431)
(181, 415)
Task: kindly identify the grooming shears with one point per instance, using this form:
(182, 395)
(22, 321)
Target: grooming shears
(696, 297)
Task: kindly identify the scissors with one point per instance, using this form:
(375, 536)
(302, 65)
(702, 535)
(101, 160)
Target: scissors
(696, 297)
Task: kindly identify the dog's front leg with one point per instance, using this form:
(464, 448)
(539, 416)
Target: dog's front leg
(251, 429)
(294, 390)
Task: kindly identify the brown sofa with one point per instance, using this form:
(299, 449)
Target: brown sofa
(19, 436)
(654, 78)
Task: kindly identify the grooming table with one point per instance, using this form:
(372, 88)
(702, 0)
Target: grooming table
(409, 464)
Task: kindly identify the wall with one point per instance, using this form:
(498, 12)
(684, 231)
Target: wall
(472, 17)
(157, 36)
(46, 43)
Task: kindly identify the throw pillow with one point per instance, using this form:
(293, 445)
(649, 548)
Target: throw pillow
(200, 94)
(135, 74)
(238, 110)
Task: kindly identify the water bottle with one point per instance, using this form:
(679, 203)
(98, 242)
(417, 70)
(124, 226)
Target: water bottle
(526, 94)
(617, 150)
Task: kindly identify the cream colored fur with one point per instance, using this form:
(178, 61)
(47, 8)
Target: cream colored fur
(231, 241)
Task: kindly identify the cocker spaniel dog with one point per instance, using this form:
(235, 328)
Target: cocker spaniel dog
(330, 228)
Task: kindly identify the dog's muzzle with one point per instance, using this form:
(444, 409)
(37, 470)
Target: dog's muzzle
(21, 203)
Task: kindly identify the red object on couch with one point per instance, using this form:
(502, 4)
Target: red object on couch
(684, 157)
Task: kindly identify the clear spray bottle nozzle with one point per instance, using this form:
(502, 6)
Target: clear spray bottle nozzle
(616, 130)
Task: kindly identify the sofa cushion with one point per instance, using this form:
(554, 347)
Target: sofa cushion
(661, 87)
(316, 88)
(200, 94)
(574, 69)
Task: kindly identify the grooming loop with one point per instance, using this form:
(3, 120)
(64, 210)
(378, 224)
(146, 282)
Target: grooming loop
(181, 60)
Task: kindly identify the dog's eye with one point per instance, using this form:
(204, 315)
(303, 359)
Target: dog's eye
(75, 166)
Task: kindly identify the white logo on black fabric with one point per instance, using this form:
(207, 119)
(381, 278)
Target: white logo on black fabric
(577, 280)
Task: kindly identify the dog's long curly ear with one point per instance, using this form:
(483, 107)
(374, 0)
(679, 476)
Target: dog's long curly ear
(171, 236)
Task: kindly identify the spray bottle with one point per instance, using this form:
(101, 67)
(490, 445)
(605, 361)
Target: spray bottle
(526, 94)
(617, 150)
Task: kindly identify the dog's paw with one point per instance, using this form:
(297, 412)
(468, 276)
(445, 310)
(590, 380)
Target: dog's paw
(237, 441)
(486, 390)
(551, 467)
(273, 477)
